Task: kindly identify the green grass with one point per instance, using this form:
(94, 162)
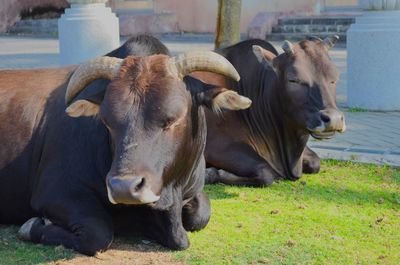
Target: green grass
(356, 109)
(347, 214)
(13, 251)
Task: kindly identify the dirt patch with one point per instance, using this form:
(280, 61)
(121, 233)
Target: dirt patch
(122, 253)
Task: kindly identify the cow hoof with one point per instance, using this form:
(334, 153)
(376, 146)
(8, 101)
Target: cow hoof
(24, 233)
(264, 178)
(311, 167)
(179, 241)
(265, 181)
(196, 213)
(179, 246)
(212, 175)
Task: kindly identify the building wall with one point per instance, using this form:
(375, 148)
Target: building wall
(333, 3)
(192, 15)
(200, 15)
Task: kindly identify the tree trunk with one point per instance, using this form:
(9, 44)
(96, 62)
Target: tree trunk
(228, 23)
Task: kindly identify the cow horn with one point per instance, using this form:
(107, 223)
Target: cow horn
(288, 48)
(314, 38)
(329, 42)
(103, 67)
(203, 61)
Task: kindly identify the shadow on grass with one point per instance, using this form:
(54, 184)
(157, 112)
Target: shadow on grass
(340, 195)
(122, 251)
(348, 196)
(296, 191)
(391, 173)
(218, 192)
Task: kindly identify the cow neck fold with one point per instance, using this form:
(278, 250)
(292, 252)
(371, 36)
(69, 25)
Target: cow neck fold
(195, 180)
(271, 133)
(188, 181)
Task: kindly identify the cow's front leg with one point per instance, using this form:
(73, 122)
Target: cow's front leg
(311, 161)
(238, 164)
(196, 213)
(173, 234)
(261, 177)
(87, 236)
(161, 222)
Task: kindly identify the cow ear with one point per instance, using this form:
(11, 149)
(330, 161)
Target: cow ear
(82, 107)
(89, 101)
(215, 97)
(264, 56)
(220, 98)
(225, 99)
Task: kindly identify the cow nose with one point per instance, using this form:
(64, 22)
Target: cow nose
(333, 120)
(130, 190)
(137, 184)
(131, 184)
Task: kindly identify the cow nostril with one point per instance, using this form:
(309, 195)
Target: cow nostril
(325, 118)
(139, 184)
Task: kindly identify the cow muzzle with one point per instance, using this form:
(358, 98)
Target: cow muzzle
(130, 190)
(331, 121)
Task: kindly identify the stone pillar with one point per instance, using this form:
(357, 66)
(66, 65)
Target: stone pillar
(373, 58)
(317, 7)
(87, 30)
(228, 23)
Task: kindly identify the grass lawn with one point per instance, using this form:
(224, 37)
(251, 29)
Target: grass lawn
(347, 214)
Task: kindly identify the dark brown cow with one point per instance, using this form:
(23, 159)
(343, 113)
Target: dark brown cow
(138, 143)
(293, 97)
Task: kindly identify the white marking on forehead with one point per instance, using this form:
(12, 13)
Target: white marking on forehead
(132, 145)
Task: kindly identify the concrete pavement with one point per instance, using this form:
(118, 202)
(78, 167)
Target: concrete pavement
(370, 137)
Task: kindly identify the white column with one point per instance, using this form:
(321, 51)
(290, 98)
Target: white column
(317, 7)
(87, 30)
(373, 57)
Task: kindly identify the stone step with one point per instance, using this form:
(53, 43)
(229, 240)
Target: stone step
(310, 28)
(301, 36)
(39, 27)
(321, 26)
(317, 20)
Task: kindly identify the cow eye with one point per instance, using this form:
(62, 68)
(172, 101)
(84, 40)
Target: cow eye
(333, 82)
(166, 124)
(299, 82)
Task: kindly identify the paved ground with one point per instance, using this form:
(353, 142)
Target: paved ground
(370, 136)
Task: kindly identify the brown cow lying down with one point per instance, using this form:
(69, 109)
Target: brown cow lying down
(293, 97)
(126, 159)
